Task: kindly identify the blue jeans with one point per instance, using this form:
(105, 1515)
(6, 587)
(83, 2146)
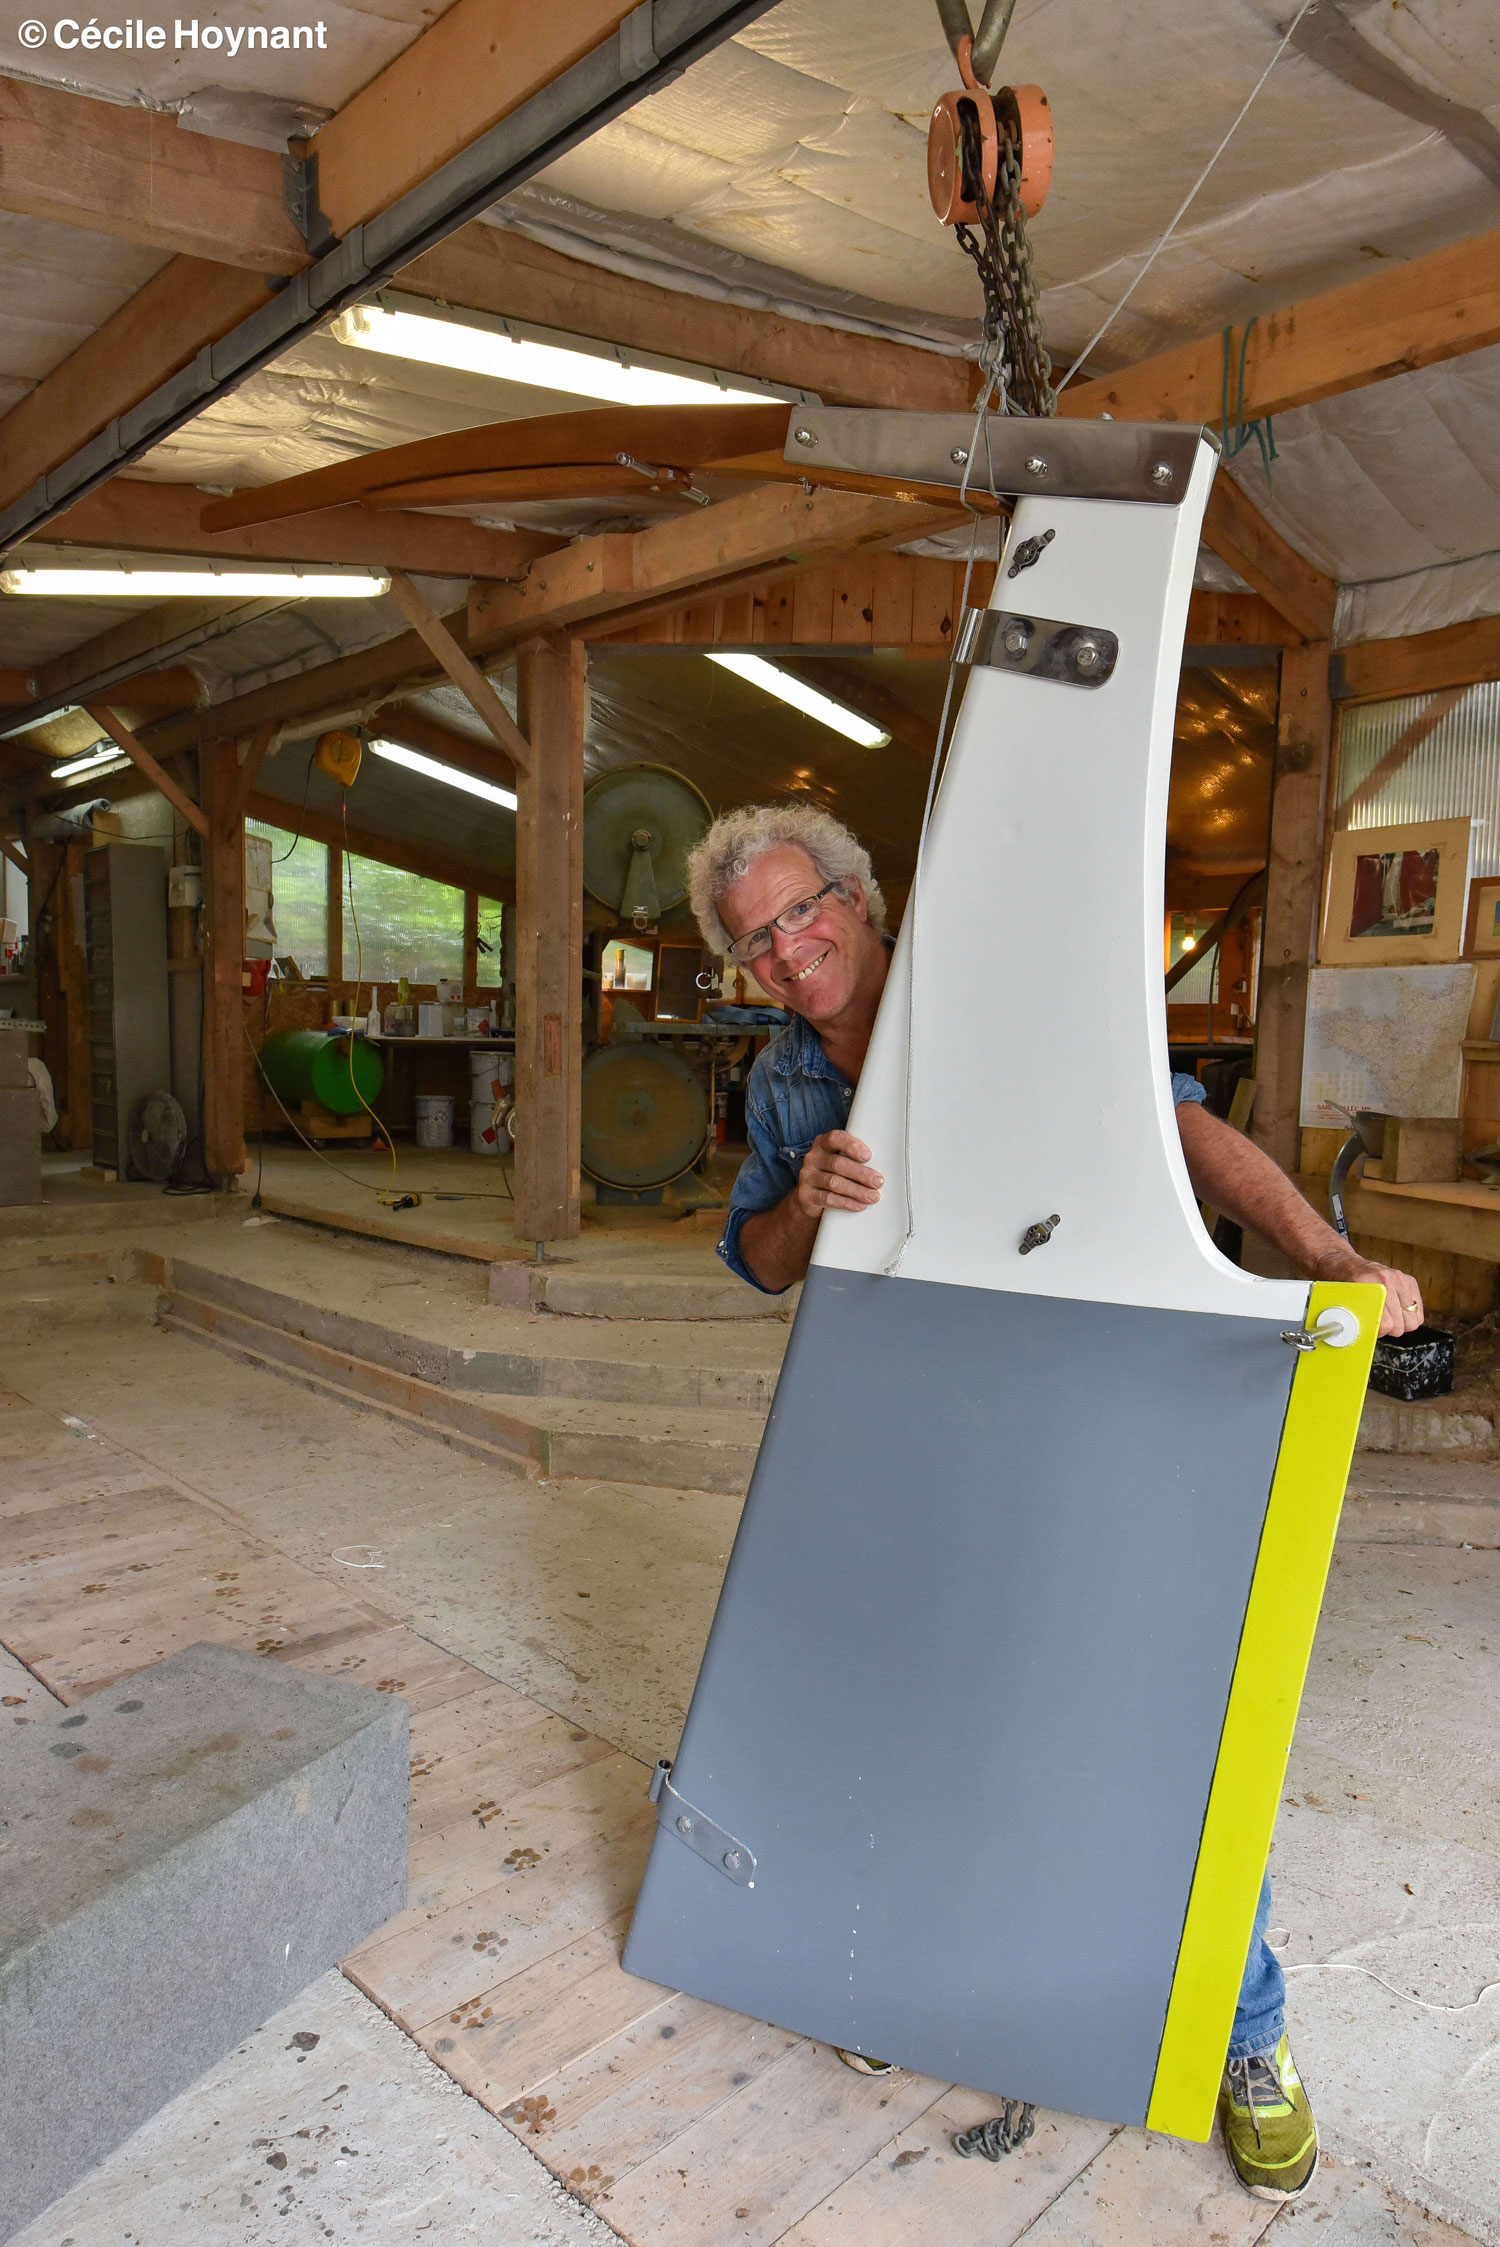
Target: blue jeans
(1259, 2015)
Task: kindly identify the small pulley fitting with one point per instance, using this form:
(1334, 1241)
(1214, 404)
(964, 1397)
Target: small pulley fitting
(1021, 115)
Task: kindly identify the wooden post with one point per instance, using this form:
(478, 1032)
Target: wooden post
(1294, 876)
(549, 939)
(335, 915)
(223, 968)
(471, 947)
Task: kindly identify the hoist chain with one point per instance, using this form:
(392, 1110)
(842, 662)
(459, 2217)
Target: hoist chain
(1012, 350)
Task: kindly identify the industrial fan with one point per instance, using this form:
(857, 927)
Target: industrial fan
(156, 1136)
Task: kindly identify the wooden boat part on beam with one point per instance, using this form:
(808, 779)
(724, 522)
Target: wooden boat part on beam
(682, 437)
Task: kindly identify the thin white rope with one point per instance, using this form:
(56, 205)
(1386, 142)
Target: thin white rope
(1188, 200)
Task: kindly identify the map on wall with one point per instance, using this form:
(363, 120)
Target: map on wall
(1386, 1038)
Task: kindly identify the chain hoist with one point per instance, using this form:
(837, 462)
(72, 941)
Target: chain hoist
(989, 165)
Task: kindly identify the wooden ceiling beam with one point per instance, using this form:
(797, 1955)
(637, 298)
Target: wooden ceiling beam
(1459, 655)
(135, 175)
(1414, 314)
(132, 515)
(1239, 534)
(465, 674)
(430, 860)
(486, 269)
(760, 531)
(136, 640)
(480, 61)
(142, 758)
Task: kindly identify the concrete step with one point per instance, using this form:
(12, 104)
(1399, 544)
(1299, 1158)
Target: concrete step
(57, 1300)
(106, 1209)
(1464, 1423)
(595, 1291)
(187, 1850)
(544, 1370)
(669, 1446)
(1398, 1499)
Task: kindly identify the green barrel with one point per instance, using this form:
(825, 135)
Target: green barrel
(314, 1065)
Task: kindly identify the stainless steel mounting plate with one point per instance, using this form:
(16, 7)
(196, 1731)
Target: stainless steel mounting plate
(1146, 462)
(1076, 655)
(710, 1841)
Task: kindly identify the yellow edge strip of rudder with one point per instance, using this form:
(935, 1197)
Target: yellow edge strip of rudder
(1286, 1593)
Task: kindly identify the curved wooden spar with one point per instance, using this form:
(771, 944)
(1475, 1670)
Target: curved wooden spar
(681, 437)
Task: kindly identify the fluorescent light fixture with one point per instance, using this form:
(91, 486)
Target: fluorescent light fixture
(807, 699)
(264, 585)
(99, 759)
(413, 759)
(473, 349)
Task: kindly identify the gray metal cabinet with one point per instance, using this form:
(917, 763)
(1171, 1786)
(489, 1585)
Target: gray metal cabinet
(125, 897)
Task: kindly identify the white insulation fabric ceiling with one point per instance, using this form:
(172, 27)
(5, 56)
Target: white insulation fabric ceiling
(787, 168)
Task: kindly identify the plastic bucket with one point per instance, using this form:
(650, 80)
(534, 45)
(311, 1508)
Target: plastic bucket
(434, 1119)
(489, 1081)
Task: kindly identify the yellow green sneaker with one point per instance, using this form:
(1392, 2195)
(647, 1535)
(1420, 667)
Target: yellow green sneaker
(1269, 2131)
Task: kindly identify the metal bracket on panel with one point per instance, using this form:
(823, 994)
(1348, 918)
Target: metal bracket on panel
(1148, 463)
(1337, 1327)
(299, 192)
(710, 1841)
(1078, 655)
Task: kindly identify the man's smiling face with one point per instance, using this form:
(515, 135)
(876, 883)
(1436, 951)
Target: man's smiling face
(815, 972)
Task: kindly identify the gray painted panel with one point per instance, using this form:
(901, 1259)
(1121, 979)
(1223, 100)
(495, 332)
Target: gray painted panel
(964, 1690)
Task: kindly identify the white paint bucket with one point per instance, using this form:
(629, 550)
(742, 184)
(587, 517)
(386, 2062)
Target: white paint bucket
(489, 1082)
(434, 1119)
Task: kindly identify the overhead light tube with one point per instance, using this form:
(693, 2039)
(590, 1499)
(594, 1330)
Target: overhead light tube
(434, 341)
(126, 584)
(771, 680)
(395, 754)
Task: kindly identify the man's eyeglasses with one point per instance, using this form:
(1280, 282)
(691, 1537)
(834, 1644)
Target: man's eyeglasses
(757, 941)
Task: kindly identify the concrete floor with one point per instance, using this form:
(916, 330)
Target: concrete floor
(1387, 1861)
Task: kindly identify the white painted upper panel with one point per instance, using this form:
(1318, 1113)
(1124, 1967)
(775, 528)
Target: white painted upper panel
(1029, 968)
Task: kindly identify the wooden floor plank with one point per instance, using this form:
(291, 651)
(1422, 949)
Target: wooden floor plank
(917, 2188)
(759, 2163)
(644, 2090)
(531, 1910)
(544, 2019)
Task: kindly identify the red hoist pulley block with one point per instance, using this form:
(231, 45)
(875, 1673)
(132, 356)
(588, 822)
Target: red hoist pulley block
(1020, 114)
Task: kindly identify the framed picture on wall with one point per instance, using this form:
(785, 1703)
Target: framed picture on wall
(1397, 895)
(1482, 936)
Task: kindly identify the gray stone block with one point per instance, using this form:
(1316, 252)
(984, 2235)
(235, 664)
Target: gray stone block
(180, 1854)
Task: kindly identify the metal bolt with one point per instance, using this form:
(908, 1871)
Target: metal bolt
(1161, 473)
(804, 436)
(1036, 466)
(959, 457)
(1087, 656)
(732, 1860)
(684, 1825)
(1016, 638)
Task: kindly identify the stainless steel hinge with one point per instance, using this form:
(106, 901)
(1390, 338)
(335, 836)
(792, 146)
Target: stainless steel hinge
(700, 1832)
(1076, 655)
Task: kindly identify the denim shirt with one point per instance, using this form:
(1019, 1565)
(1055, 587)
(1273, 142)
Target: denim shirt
(794, 1095)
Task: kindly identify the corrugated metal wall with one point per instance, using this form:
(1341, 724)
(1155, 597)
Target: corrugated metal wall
(1455, 771)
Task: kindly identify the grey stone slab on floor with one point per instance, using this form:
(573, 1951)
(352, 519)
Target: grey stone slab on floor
(182, 1853)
